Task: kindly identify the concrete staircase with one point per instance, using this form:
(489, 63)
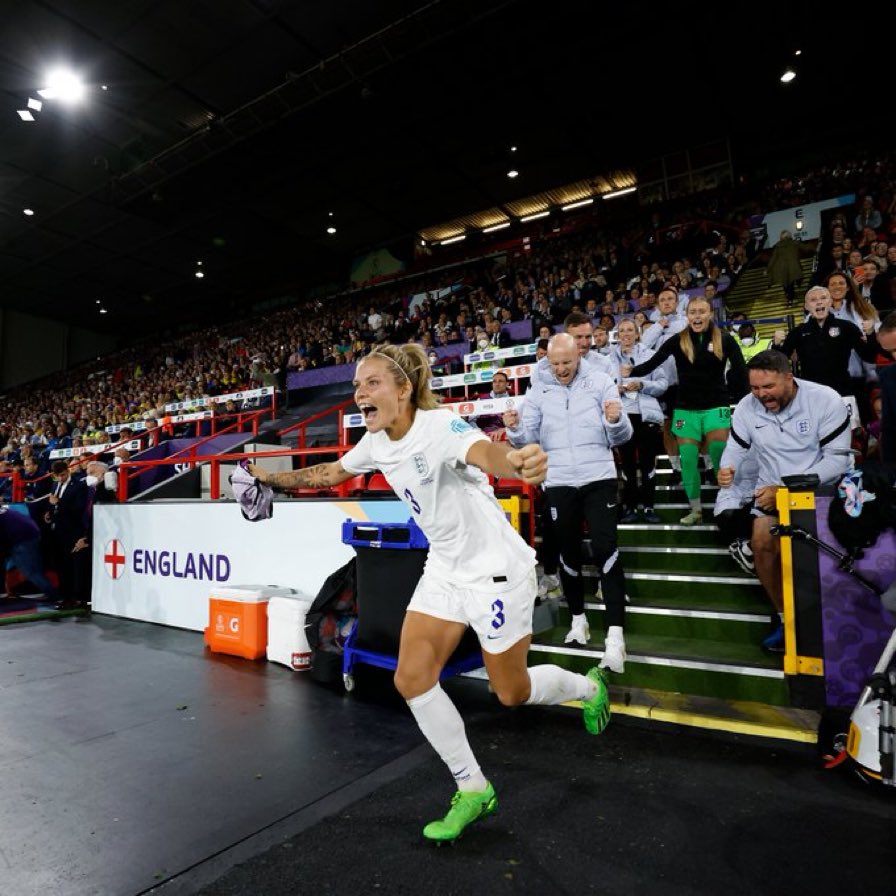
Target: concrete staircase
(753, 295)
(693, 629)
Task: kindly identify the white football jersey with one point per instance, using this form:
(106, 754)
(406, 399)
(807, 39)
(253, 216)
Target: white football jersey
(470, 538)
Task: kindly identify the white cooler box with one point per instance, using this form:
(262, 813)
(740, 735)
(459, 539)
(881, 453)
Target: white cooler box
(287, 643)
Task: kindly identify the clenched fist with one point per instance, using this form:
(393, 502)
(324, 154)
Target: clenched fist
(725, 477)
(530, 463)
(612, 411)
(258, 472)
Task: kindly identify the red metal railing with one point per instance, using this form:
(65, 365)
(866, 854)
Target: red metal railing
(302, 426)
(189, 455)
(127, 468)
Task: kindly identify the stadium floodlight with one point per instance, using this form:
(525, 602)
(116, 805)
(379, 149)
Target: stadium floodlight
(580, 204)
(614, 193)
(64, 86)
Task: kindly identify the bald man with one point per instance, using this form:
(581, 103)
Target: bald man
(574, 411)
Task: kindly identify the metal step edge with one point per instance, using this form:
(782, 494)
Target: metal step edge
(669, 527)
(590, 572)
(758, 720)
(721, 615)
(672, 662)
(742, 717)
(680, 505)
(670, 549)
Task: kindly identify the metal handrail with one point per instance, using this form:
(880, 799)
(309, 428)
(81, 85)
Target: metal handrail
(215, 461)
(302, 425)
(188, 454)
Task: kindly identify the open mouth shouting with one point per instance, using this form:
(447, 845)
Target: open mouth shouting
(369, 413)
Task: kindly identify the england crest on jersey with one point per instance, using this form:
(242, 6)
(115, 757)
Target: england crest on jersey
(421, 465)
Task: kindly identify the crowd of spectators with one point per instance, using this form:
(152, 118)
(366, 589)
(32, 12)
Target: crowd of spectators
(605, 275)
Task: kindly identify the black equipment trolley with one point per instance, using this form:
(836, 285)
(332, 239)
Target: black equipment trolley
(384, 585)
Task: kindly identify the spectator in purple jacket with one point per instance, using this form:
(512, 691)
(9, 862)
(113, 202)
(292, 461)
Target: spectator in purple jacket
(20, 548)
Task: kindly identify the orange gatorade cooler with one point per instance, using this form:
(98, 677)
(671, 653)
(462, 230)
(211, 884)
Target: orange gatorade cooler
(238, 620)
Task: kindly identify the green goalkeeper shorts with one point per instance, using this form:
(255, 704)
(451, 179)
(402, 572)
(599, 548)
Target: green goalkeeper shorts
(695, 425)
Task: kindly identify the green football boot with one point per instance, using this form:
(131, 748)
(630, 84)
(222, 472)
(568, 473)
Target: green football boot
(466, 807)
(596, 711)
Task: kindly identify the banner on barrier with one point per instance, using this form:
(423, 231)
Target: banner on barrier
(208, 400)
(161, 562)
(475, 377)
(133, 445)
(498, 354)
(461, 408)
(172, 418)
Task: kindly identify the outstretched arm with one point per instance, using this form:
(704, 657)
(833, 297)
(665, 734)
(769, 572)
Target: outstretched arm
(529, 463)
(318, 476)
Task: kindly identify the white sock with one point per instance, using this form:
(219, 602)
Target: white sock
(696, 505)
(675, 462)
(614, 633)
(551, 685)
(443, 727)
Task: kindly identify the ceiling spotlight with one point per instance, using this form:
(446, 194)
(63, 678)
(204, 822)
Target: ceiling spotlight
(198, 264)
(331, 230)
(329, 214)
(63, 85)
(453, 239)
(199, 275)
(103, 311)
(513, 149)
(513, 173)
(495, 227)
(104, 86)
(580, 204)
(534, 217)
(28, 212)
(35, 105)
(788, 76)
(25, 115)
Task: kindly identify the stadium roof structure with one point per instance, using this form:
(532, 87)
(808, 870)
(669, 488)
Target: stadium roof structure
(236, 132)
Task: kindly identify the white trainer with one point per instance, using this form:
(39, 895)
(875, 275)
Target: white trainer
(548, 585)
(579, 631)
(614, 651)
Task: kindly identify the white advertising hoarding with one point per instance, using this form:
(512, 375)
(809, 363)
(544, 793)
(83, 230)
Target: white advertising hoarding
(161, 561)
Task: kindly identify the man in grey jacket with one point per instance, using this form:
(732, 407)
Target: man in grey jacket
(791, 427)
(574, 411)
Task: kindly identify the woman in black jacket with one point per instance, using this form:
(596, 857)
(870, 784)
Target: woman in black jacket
(702, 352)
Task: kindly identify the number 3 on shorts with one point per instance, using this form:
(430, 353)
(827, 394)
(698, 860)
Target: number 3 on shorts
(498, 619)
